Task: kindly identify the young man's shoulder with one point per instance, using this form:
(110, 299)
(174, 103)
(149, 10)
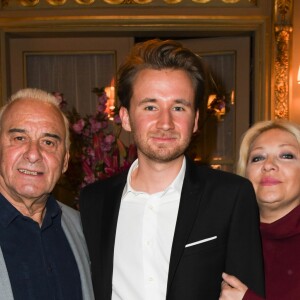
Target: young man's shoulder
(216, 174)
(106, 184)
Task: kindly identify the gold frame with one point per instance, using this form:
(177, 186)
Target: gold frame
(283, 31)
(270, 67)
(38, 4)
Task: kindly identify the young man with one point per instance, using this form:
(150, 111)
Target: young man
(43, 254)
(167, 229)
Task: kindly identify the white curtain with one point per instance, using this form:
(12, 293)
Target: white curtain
(73, 75)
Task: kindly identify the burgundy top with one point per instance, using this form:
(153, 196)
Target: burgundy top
(281, 250)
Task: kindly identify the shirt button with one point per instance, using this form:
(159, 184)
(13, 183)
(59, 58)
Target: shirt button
(150, 279)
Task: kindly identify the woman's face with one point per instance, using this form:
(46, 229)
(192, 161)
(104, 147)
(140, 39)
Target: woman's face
(274, 170)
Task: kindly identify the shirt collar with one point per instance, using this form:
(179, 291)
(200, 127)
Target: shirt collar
(176, 185)
(8, 213)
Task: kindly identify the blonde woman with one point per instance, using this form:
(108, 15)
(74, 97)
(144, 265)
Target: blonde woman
(270, 158)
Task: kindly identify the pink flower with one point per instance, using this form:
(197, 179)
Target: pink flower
(87, 169)
(101, 108)
(110, 172)
(86, 132)
(89, 179)
(97, 138)
(95, 125)
(110, 139)
(104, 124)
(60, 99)
(101, 175)
(98, 152)
(90, 152)
(103, 99)
(78, 126)
(106, 147)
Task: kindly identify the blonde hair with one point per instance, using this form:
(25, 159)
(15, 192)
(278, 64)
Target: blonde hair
(257, 129)
(42, 96)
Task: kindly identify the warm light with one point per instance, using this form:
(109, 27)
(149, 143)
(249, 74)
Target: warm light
(211, 98)
(110, 93)
(232, 97)
(216, 105)
(230, 1)
(298, 77)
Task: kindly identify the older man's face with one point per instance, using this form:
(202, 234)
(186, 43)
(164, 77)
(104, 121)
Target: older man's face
(32, 150)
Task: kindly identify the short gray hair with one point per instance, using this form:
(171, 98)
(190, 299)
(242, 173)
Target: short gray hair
(42, 96)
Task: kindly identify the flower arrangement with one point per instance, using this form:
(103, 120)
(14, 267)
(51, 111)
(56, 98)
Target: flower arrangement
(96, 151)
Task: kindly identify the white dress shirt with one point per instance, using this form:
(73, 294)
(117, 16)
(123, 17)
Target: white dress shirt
(144, 237)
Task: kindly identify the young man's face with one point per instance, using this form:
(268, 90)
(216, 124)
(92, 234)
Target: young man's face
(162, 115)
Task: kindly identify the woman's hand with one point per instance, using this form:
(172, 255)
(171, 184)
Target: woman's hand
(232, 288)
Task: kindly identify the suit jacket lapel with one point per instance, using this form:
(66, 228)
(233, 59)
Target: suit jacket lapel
(5, 287)
(72, 231)
(192, 190)
(109, 226)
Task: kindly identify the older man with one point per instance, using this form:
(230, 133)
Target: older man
(43, 254)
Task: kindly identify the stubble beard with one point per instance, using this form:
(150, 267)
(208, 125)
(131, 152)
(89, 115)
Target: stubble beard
(160, 153)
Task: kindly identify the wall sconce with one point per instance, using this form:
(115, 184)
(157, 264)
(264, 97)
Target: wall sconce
(298, 77)
(217, 100)
(216, 105)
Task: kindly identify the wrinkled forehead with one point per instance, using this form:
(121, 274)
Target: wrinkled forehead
(28, 110)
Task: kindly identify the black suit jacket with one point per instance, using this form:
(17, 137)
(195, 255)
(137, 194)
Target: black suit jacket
(213, 203)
